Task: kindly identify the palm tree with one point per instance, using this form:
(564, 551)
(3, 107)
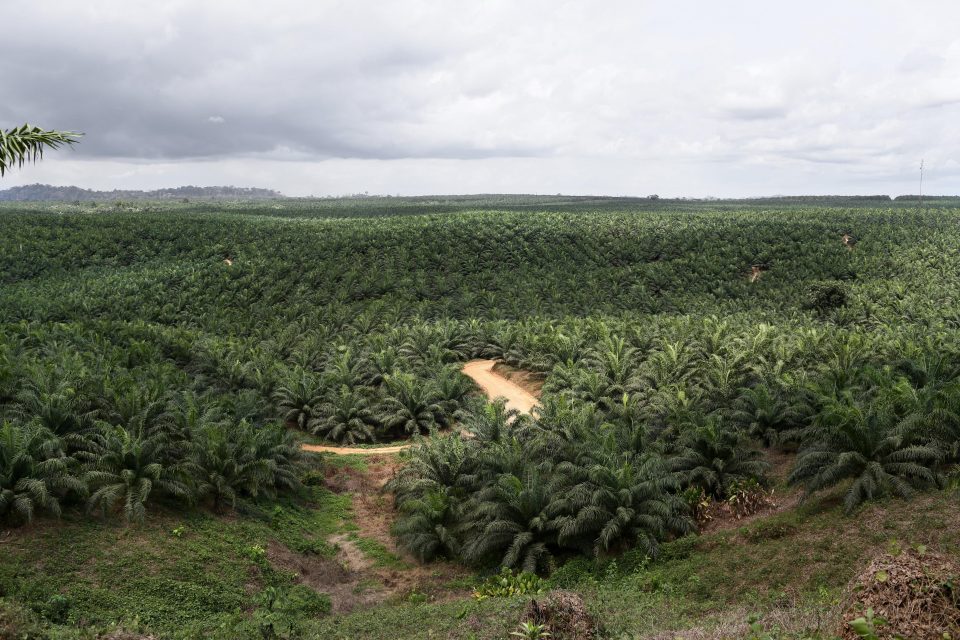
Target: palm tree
(438, 464)
(764, 413)
(712, 457)
(124, 469)
(452, 389)
(298, 399)
(427, 526)
(347, 369)
(383, 364)
(933, 414)
(491, 423)
(49, 397)
(131, 401)
(513, 523)
(411, 406)
(623, 502)
(860, 442)
(26, 143)
(347, 418)
(628, 415)
(615, 360)
(34, 473)
(283, 454)
(230, 460)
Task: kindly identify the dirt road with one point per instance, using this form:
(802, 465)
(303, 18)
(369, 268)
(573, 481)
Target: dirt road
(362, 451)
(496, 386)
(492, 383)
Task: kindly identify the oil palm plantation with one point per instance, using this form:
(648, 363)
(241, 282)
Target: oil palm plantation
(299, 399)
(513, 523)
(427, 527)
(622, 503)
(51, 396)
(232, 460)
(440, 464)
(713, 456)
(765, 413)
(411, 406)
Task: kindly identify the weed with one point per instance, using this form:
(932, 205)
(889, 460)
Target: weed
(507, 584)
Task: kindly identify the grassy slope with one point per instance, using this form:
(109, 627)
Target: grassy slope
(789, 568)
(176, 574)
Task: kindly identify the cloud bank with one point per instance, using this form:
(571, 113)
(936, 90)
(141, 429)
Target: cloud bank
(681, 98)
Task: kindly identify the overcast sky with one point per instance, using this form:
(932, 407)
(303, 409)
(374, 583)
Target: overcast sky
(679, 98)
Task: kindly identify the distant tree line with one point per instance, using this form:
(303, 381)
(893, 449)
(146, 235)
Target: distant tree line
(49, 192)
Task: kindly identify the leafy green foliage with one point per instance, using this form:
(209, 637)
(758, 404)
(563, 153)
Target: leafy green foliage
(125, 468)
(826, 296)
(508, 584)
(858, 440)
(713, 458)
(34, 473)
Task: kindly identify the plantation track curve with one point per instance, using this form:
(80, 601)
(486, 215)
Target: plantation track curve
(496, 386)
(481, 371)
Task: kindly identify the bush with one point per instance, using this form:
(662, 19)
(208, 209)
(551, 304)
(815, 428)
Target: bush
(574, 572)
(507, 584)
(57, 609)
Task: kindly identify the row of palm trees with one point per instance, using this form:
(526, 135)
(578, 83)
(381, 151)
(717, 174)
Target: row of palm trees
(118, 470)
(387, 405)
(521, 492)
(624, 440)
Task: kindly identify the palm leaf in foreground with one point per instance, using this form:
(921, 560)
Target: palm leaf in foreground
(26, 143)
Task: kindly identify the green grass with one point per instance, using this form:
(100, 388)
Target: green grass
(381, 556)
(335, 461)
(796, 563)
(175, 574)
(202, 575)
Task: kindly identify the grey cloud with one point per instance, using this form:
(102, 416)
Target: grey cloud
(685, 97)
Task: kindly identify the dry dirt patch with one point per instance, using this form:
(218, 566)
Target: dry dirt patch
(496, 386)
(916, 594)
(529, 381)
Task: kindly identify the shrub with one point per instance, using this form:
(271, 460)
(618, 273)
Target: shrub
(508, 584)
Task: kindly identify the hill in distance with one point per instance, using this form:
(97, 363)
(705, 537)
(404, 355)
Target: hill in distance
(35, 192)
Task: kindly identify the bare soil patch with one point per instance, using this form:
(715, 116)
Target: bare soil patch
(529, 381)
(374, 514)
(497, 386)
(723, 518)
(359, 451)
